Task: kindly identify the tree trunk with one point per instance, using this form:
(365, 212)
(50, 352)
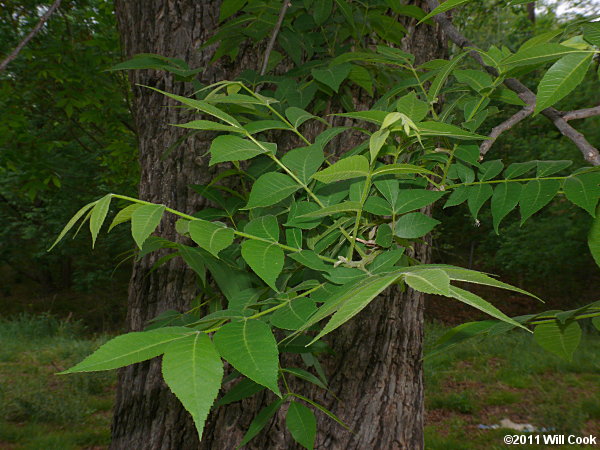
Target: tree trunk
(376, 371)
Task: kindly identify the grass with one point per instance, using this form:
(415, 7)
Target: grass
(39, 410)
(480, 382)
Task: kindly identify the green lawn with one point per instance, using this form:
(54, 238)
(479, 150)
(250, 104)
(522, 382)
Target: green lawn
(480, 382)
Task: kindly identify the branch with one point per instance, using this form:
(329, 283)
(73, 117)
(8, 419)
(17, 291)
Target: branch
(271, 44)
(504, 126)
(590, 153)
(30, 36)
(581, 113)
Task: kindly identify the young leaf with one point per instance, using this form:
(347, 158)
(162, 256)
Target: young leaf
(332, 76)
(144, 221)
(98, 215)
(193, 370)
(432, 281)
(124, 215)
(505, 199)
(304, 161)
(265, 259)
(72, 222)
(478, 195)
(129, 349)
(260, 421)
(562, 340)
(250, 347)
(233, 148)
(344, 169)
(294, 314)
(564, 76)
(537, 194)
(376, 142)
(583, 190)
(302, 424)
(414, 225)
(210, 236)
(271, 188)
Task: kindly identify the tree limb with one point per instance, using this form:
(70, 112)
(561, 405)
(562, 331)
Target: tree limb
(30, 36)
(505, 126)
(590, 153)
(271, 44)
(581, 113)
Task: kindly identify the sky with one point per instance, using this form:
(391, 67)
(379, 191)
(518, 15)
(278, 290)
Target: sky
(564, 7)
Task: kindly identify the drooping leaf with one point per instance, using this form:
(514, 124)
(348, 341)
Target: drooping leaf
(564, 76)
(460, 334)
(478, 195)
(98, 215)
(305, 375)
(332, 76)
(294, 314)
(72, 222)
(535, 195)
(584, 191)
(240, 391)
(432, 281)
(260, 421)
(557, 338)
(194, 260)
(129, 349)
(351, 167)
(124, 215)
(250, 347)
(302, 424)
(304, 161)
(144, 221)
(271, 188)
(233, 148)
(505, 199)
(414, 225)
(193, 370)
(265, 259)
(211, 236)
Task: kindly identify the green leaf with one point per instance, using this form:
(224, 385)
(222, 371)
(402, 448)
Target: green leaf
(129, 349)
(297, 211)
(412, 199)
(457, 196)
(412, 107)
(475, 79)
(98, 215)
(447, 5)
(384, 236)
(583, 190)
(265, 259)
(208, 125)
(517, 169)
(351, 300)
(562, 340)
(538, 54)
(293, 237)
(193, 258)
(446, 130)
(477, 302)
(297, 116)
(294, 314)
(72, 222)
(265, 227)
(432, 281)
(240, 391)
(591, 33)
(304, 161)
(302, 424)
(233, 148)
(124, 215)
(193, 370)
(265, 125)
(351, 167)
(444, 73)
(414, 225)
(260, 421)
(376, 142)
(211, 236)
(334, 209)
(305, 375)
(505, 199)
(596, 323)
(332, 76)
(564, 76)
(400, 169)
(537, 194)
(378, 206)
(310, 259)
(547, 168)
(490, 169)
(250, 347)
(478, 195)
(322, 11)
(144, 221)
(271, 188)
(230, 7)
(594, 238)
(460, 334)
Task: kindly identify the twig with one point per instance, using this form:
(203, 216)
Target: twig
(581, 113)
(590, 153)
(504, 126)
(271, 44)
(30, 36)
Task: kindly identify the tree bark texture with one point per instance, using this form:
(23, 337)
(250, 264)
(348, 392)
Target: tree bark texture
(375, 374)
